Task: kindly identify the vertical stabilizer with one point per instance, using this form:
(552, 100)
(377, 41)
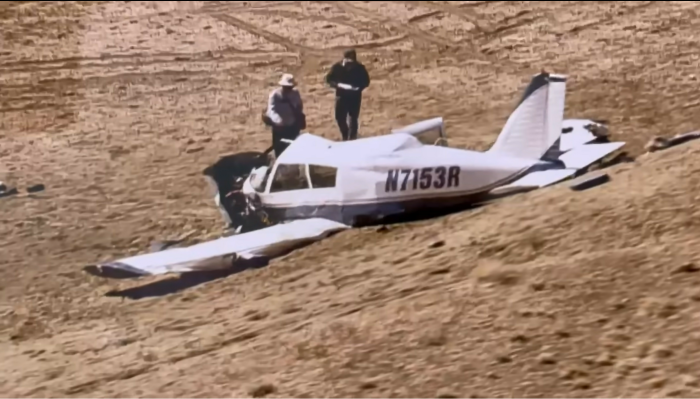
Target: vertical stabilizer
(534, 128)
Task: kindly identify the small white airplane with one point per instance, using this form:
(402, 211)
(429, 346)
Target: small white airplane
(412, 170)
(318, 187)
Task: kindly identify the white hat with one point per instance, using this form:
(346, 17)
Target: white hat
(287, 80)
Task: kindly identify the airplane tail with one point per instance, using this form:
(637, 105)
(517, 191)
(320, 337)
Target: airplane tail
(533, 130)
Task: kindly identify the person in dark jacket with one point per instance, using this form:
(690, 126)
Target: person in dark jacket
(349, 78)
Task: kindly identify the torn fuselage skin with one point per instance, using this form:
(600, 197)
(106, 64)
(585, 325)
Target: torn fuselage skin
(226, 178)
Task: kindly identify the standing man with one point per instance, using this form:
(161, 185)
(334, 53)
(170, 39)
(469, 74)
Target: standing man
(349, 78)
(284, 113)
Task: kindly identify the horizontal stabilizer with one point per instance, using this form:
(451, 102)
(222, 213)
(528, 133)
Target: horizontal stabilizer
(222, 253)
(584, 156)
(543, 178)
(586, 182)
(574, 160)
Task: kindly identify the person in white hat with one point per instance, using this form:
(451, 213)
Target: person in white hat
(284, 113)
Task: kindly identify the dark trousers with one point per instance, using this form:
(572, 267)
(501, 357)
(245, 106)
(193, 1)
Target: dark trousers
(347, 112)
(283, 132)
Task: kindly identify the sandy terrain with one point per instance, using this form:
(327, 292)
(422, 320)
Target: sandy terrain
(117, 107)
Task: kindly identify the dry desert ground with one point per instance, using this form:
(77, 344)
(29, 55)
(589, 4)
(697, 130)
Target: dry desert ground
(117, 107)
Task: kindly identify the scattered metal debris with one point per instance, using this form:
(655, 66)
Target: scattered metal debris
(36, 188)
(600, 131)
(6, 191)
(659, 143)
(587, 182)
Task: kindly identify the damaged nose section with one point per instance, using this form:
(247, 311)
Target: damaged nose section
(226, 178)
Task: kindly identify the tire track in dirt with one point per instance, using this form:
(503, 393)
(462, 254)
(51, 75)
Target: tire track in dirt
(305, 50)
(524, 17)
(269, 36)
(140, 61)
(475, 4)
(421, 36)
(376, 31)
(46, 105)
(510, 23)
(448, 9)
(207, 8)
(9, 66)
(469, 49)
(609, 18)
(86, 81)
(383, 37)
(628, 12)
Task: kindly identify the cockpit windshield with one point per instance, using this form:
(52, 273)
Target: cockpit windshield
(290, 177)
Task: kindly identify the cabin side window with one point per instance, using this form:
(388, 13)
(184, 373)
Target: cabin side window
(289, 177)
(322, 176)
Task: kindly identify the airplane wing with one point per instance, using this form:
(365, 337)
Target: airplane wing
(428, 132)
(269, 242)
(583, 156)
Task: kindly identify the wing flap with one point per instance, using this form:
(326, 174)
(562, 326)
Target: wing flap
(574, 160)
(585, 155)
(542, 178)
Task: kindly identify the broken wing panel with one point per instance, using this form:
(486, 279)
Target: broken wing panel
(574, 160)
(584, 156)
(575, 134)
(542, 178)
(269, 242)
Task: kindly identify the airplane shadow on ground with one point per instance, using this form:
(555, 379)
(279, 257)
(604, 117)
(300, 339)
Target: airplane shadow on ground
(185, 281)
(620, 158)
(425, 215)
(192, 279)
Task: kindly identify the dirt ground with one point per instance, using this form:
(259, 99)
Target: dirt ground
(117, 107)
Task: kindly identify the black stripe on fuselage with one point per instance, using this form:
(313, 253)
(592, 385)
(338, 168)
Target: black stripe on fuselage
(358, 215)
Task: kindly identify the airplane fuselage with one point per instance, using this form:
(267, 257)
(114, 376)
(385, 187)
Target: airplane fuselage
(411, 183)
